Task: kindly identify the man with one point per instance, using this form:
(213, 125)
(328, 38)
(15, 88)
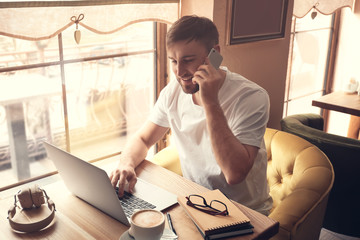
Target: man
(217, 119)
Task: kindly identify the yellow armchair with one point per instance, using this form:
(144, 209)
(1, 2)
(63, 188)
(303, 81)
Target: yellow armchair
(300, 178)
(169, 159)
(342, 212)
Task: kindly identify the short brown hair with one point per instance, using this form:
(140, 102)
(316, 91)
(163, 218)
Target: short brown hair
(193, 28)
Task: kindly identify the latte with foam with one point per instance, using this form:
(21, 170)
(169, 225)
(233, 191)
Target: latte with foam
(147, 218)
(147, 224)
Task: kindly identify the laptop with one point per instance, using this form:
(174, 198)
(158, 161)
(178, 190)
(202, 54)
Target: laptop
(93, 185)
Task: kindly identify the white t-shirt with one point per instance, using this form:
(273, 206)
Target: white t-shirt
(246, 108)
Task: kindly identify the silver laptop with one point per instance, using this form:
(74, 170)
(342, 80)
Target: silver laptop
(93, 185)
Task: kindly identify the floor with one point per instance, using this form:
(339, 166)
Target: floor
(328, 235)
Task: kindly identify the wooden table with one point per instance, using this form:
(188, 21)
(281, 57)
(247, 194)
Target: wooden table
(340, 101)
(75, 219)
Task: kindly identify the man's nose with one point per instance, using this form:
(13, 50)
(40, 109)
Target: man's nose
(181, 70)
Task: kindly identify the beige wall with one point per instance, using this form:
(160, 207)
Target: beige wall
(202, 8)
(264, 62)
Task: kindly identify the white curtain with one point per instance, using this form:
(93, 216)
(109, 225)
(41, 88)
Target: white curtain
(37, 20)
(302, 7)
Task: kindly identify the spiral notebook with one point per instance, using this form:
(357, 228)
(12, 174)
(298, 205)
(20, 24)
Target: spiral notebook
(215, 227)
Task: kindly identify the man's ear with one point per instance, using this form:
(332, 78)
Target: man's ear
(217, 47)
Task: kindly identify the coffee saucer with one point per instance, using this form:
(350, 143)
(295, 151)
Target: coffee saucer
(126, 236)
(167, 233)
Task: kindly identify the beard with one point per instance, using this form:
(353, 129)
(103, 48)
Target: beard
(189, 88)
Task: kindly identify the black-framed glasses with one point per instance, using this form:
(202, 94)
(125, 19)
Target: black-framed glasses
(215, 207)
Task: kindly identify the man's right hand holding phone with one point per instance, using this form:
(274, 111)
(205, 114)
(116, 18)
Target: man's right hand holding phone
(209, 78)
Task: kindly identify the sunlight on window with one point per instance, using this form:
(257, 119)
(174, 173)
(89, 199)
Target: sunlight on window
(109, 82)
(308, 63)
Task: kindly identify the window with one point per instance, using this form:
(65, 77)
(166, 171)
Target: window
(86, 98)
(309, 59)
(108, 83)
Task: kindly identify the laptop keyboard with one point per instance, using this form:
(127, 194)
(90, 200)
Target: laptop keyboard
(129, 202)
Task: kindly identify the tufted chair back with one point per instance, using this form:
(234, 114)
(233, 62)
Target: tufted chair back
(342, 212)
(300, 178)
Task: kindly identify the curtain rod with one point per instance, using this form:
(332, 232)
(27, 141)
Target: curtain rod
(75, 3)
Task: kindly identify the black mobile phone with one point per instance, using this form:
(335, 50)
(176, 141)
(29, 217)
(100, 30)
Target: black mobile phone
(215, 58)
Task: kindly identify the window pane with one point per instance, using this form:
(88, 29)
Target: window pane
(17, 52)
(303, 105)
(30, 103)
(134, 38)
(309, 63)
(108, 98)
(106, 103)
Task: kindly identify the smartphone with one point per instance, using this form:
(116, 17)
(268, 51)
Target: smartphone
(215, 58)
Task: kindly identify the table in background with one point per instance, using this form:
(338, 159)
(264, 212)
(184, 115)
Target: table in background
(340, 101)
(75, 219)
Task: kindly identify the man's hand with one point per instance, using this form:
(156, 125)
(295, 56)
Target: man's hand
(123, 174)
(133, 154)
(210, 81)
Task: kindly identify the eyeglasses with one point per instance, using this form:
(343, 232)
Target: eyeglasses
(214, 208)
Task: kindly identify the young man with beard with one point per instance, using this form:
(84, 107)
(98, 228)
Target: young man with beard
(217, 119)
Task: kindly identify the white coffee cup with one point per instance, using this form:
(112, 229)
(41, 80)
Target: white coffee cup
(147, 224)
(351, 86)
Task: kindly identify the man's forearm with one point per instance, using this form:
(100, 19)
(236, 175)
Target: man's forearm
(134, 152)
(231, 155)
(138, 146)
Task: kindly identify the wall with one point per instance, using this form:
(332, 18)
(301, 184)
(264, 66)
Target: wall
(264, 62)
(199, 7)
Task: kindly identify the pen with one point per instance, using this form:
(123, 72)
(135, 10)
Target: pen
(170, 223)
